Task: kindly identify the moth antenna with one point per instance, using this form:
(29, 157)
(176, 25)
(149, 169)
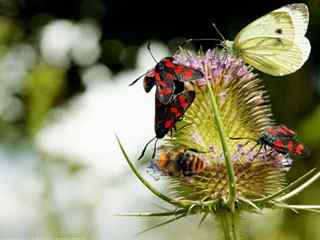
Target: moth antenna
(145, 147)
(219, 33)
(149, 48)
(242, 138)
(137, 79)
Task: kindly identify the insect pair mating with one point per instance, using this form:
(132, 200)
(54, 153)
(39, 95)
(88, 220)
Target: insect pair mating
(171, 99)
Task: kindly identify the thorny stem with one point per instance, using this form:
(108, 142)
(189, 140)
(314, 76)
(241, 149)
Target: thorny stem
(226, 151)
(154, 214)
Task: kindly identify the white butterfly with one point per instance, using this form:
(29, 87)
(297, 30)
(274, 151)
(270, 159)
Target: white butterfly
(275, 43)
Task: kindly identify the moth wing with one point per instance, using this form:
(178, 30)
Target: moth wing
(149, 81)
(185, 73)
(160, 118)
(166, 116)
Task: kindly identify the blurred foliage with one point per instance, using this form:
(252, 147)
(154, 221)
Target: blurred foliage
(44, 84)
(309, 128)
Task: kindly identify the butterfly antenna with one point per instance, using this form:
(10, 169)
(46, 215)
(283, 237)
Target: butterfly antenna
(137, 79)
(219, 33)
(149, 49)
(199, 40)
(145, 148)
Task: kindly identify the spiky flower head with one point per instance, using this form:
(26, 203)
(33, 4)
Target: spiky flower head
(192, 156)
(214, 159)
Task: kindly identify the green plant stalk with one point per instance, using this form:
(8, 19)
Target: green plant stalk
(224, 143)
(228, 225)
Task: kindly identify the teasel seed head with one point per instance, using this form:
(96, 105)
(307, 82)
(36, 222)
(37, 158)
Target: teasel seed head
(243, 105)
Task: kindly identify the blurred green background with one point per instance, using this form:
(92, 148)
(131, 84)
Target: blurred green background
(65, 67)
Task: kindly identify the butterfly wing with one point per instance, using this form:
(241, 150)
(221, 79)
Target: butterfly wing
(275, 43)
(166, 116)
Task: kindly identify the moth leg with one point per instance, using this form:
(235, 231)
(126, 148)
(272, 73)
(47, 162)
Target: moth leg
(259, 151)
(155, 148)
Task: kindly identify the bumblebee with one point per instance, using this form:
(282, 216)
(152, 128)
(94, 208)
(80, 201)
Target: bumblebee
(181, 162)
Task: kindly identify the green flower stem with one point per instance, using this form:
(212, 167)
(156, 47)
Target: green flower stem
(228, 225)
(226, 151)
(144, 182)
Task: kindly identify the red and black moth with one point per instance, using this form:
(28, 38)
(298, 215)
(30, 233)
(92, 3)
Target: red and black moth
(166, 116)
(166, 75)
(283, 140)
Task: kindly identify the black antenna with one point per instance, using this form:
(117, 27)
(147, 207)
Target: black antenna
(149, 48)
(145, 147)
(137, 79)
(199, 40)
(242, 138)
(219, 33)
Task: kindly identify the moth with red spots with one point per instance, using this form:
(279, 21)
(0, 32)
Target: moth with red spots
(283, 140)
(166, 116)
(166, 75)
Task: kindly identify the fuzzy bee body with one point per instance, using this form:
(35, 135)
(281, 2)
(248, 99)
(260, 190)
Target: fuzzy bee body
(181, 162)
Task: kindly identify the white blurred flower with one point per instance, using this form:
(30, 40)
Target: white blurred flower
(63, 41)
(96, 75)
(20, 194)
(86, 49)
(56, 41)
